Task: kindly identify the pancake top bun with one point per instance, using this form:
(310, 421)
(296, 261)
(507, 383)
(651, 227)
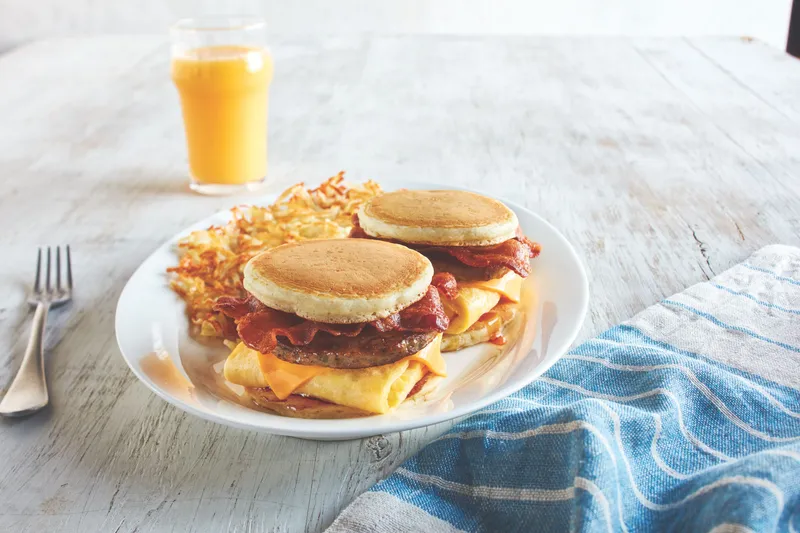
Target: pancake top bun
(442, 218)
(339, 281)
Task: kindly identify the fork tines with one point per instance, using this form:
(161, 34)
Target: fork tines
(59, 291)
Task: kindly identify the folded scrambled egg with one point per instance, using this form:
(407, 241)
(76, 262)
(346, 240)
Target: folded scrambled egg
(377, 389)
(479, 297)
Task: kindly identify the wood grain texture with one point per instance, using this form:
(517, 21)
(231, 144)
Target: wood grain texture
(663, 161)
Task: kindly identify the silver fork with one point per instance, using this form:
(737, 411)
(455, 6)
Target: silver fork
(28, 392)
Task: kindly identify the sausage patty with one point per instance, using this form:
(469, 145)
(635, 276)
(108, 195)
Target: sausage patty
(370, 348)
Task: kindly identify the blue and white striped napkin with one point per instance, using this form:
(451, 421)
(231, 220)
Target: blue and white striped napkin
(685, 418)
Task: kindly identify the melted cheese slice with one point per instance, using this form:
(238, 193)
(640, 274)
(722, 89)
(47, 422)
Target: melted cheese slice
(376, 389)
(508, 287)
(478, 297)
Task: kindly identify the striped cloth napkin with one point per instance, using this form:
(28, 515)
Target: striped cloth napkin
(685, 418)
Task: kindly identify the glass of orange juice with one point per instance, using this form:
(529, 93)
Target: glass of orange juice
(222, 70)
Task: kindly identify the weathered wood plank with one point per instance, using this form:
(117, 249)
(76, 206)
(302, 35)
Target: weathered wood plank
(767, 72)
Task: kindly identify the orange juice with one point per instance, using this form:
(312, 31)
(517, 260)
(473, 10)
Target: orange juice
(224, 97)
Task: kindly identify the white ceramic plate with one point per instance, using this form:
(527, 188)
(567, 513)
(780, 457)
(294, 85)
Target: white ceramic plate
(152, 332)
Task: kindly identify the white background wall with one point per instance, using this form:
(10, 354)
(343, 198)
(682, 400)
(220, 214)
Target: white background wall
(22, 20)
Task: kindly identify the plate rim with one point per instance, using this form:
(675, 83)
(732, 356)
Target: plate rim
(346, 433)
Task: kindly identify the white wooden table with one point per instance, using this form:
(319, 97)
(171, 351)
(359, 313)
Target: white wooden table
(663, 161)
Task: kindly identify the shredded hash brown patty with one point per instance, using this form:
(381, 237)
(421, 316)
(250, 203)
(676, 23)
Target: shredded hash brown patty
(211, 261)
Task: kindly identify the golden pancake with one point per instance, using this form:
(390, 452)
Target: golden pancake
(296, 406)
(444, 218)
(339, 281)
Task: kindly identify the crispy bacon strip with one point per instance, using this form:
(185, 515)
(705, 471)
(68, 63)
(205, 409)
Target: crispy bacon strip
(357, 232)
(236, 308)
(260, 326)
(446, 284)
(514, 254)
(425, 315)
(535, 247)
(261, 330)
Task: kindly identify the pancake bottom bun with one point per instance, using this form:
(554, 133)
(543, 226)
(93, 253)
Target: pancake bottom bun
(339, 281)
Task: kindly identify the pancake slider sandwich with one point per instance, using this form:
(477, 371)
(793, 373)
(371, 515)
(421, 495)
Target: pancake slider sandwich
(336, 328)
(473, 241)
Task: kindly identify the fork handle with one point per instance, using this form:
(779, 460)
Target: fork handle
(28, 391)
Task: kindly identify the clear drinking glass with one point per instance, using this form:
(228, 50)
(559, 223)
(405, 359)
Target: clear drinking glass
(222, 70)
